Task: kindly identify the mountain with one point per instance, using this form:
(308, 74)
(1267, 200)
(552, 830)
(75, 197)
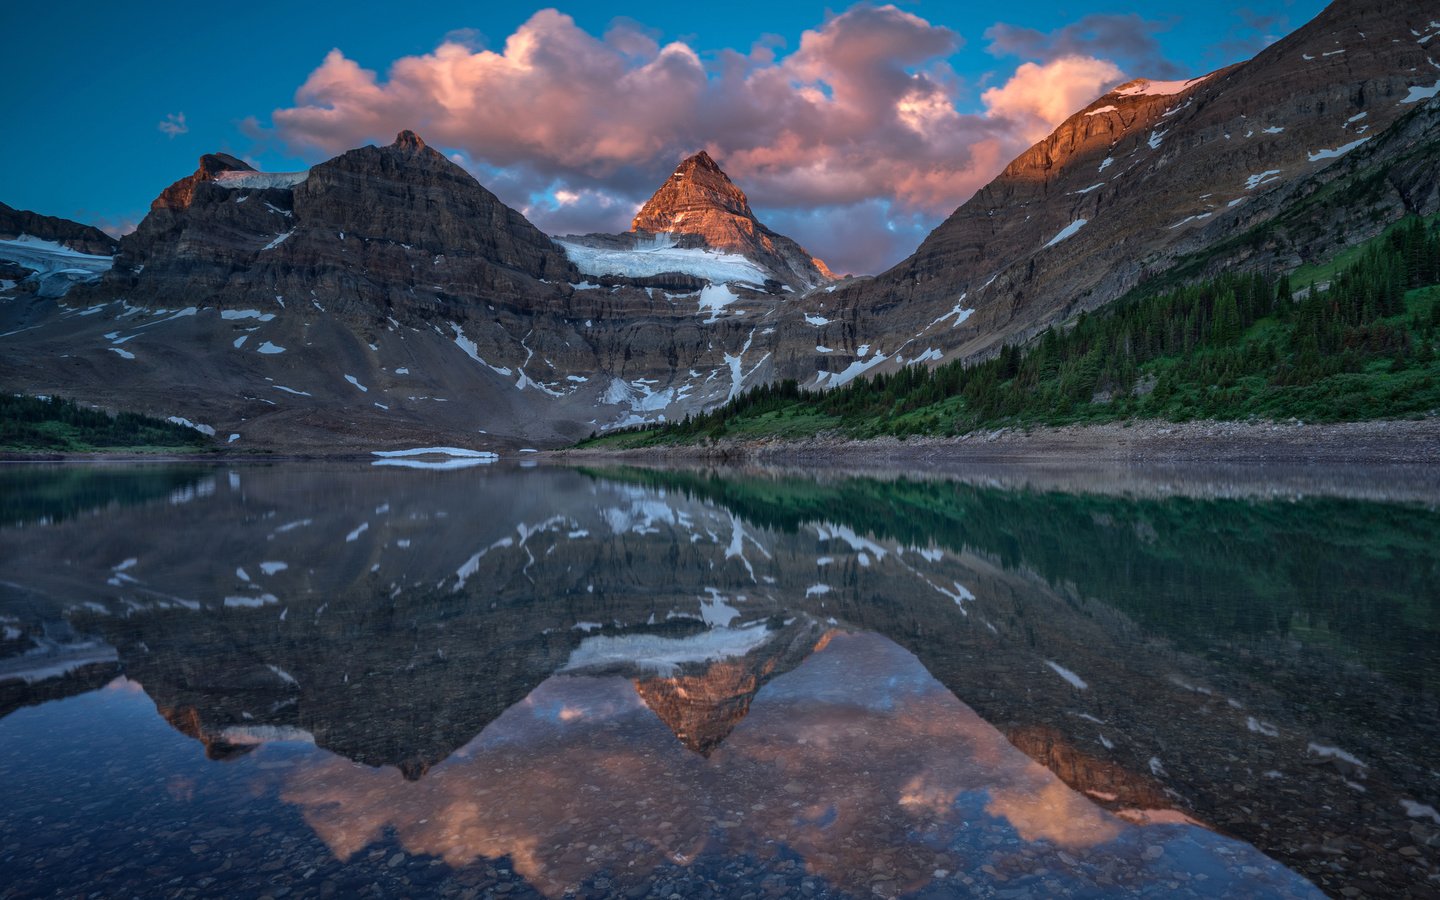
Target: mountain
(383, 298)
(82, 238)
(51, 253)
(398, 230)
(1138, 179)
(700, 222)
(699, 199)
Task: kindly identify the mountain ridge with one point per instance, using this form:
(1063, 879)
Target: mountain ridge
(16, 223)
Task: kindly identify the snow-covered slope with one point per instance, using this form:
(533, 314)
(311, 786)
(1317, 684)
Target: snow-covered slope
(54, 265)
(659, 254)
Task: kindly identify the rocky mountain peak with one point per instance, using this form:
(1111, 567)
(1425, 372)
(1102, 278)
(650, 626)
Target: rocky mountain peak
(409, 141)
(214, 163)
(698, 189)
(701, 160)
(180, 194)
(700, 199)
(705, 172)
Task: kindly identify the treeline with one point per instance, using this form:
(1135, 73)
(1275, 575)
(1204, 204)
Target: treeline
(54, 423)
(1231, 347)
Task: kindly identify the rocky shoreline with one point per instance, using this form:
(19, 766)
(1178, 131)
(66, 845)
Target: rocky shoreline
(1375, 442)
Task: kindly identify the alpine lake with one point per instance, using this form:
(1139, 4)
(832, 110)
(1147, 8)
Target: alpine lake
(356, 680)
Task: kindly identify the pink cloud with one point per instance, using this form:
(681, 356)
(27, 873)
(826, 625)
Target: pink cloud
(1125, 37)
(577, 130)
(173, 125)
(1040, 96)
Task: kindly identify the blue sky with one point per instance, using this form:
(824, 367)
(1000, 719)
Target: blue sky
(92, 85)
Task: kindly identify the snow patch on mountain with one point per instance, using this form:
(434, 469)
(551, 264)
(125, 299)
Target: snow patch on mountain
(472, 350)
(56, 266)
(1066, 232)
(206, 430)
(1144, 87)
(260, 180)
(849, 373)
(1336, 152)
(1421, 92)
(714, 298)
(959, 313)
(435, 451)
(659, 256)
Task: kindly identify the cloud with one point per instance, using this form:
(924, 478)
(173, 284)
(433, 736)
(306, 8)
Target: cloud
(1127, 38)
(1038, 97)
(869, 236)
(863, 115)
(581, 210)
(173, 124)
(117, 225)
(1254, 32)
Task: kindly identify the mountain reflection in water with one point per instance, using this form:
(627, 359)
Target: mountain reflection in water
(664, 680)
(856, 756)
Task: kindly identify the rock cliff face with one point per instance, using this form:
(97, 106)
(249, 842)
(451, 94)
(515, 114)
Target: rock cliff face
(699, 199)
(377, 231)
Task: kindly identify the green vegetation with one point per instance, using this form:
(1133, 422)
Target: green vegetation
(58, 425)
(55, 493)
(1232, 347)
(1360, 576)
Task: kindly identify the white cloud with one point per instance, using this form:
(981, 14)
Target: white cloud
(173, 124)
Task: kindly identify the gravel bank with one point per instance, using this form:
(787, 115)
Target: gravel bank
(1405, 442)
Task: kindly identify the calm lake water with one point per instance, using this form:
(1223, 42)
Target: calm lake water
(347, 680)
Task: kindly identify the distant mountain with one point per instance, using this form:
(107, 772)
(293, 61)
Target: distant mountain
(48, 254)
(700, 208)
(15, 223)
